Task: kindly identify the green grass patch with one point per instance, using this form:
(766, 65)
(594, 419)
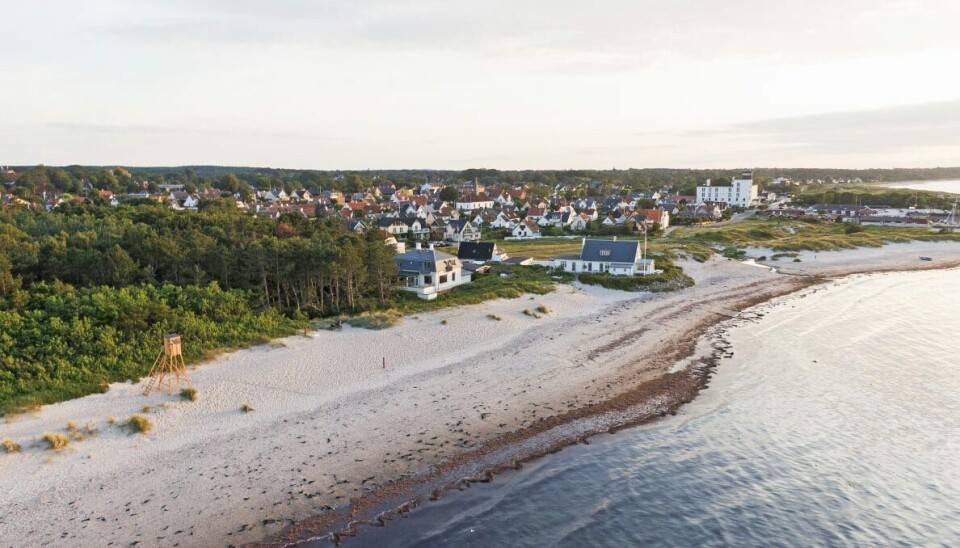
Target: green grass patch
(809, 234)
(671, 279)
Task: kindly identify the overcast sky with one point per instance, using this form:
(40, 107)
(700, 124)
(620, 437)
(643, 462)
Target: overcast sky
(507, 84)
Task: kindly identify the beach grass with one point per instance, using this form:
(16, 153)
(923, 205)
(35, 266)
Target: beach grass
(189, 394)
(56, 441)
(791, 236)
(139, 424)
(10, 446)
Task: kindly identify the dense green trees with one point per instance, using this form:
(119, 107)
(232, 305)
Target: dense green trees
(87, 291)
(293, 264)
(59, 342)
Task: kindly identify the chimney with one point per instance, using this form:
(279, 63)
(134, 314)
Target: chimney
(418, 245)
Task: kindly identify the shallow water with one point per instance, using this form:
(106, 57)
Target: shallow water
(935, 186)
(836, 422)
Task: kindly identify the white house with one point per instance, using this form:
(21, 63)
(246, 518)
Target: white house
(461, 230)
(740, 192)
(470, 202)
(526, 230)
(580, 222)
(504, 221)
(619, 258)
(427, 272)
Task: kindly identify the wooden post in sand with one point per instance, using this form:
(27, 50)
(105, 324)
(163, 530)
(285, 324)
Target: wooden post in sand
(384, 362)
(169, 369)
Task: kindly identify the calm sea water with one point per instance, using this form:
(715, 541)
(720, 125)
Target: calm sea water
(936, 186)
(837, 422)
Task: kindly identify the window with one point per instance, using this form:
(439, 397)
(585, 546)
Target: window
(428, 279)
(453, 277)
(443, 278)
(604, 252)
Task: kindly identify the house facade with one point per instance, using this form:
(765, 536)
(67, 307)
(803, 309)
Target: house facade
(615, 257)
(741, 192)
(526, 230)
(461, 230)
(428, 272)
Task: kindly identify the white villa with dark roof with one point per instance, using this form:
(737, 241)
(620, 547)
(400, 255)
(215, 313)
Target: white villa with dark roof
(427, 272)
(615, 257)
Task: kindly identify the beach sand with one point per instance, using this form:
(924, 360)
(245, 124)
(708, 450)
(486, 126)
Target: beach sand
(331, 425)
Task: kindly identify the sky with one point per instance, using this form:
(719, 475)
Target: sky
(451, 84)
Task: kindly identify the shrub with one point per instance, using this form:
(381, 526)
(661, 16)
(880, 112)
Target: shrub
(111, 420)
(10, 446)
(56, 441)
(189, 393)
(852, 228)
(733, 252)
(494, 317)
(246, 408)
(797, 260)
(443, 322)
(543, 309)
(376, 320)
(139, 423)
(145, 408)
(72, 427)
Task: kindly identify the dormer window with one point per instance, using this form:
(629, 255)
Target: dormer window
(604, 252)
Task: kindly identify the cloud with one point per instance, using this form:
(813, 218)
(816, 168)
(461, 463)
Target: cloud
(877, 130)
(142, 130)
(598, 35)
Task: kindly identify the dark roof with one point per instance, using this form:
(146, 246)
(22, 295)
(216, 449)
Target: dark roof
(384, 222)
(475, 251)
(422, 261)
(610, 251)
(458, 224)
(517, 260)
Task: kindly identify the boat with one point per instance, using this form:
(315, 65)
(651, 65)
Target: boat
(926, 258)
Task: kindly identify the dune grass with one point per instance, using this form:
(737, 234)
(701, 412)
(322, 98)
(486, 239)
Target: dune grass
(56, 441)
(10, 446)
(784, 236)
(139, 424)
(189, 394)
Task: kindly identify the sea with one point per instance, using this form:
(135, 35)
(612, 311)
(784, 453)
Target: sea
(836, 422)
(952, 186)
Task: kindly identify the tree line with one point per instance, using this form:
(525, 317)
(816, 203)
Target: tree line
(293, 264)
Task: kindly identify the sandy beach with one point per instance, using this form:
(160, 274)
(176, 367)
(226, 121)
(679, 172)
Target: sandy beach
(461, 393)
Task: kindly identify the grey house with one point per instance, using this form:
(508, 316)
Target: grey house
(428, 272)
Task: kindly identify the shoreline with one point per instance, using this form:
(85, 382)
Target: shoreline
(489, 393)
(636, 406)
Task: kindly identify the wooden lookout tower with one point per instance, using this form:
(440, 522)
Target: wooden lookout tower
(169, 369)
